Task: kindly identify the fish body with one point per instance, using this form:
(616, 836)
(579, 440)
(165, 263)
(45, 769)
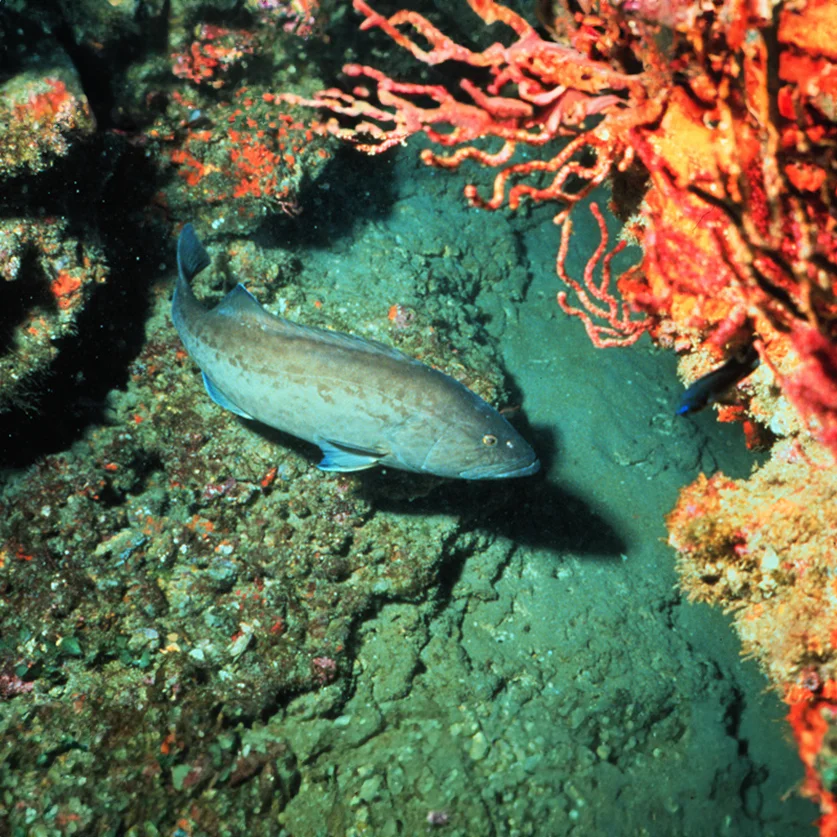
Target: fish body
(361, 402)
(711, 387)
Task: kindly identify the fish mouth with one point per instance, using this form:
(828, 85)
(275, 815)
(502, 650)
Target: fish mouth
(499, 471)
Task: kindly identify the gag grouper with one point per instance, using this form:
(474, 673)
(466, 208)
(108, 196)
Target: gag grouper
(363, 403)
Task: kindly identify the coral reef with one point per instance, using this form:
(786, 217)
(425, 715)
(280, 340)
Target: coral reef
(181, 578)
(717, 126)
(238, 156)
(813, 718)
(47, 273)
(765, 548)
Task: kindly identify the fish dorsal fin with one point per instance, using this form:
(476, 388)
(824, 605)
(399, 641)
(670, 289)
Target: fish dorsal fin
(240, 304)
(346, 341)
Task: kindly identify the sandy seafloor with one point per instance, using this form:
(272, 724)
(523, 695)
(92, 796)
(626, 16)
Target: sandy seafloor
(565, 687)
(557, 683)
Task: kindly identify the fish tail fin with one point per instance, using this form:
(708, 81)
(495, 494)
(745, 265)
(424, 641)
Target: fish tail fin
(192, 257)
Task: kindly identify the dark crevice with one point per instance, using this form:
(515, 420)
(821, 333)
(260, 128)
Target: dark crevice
(98, 200)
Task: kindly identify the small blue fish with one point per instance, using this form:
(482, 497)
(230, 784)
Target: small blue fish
(709, 388)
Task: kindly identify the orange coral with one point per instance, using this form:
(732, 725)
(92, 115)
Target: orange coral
(766, 548)
(64, 287)
(813, 719)
(255, 162)
(38, 122)
(215, 52)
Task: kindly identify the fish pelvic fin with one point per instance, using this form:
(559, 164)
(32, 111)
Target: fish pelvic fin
(192, 257)
(220, 399)
(340, 457)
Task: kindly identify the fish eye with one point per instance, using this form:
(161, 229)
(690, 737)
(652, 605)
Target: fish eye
(489, 441)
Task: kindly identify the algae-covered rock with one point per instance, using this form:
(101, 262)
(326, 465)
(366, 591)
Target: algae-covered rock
(236, 154)
(47, 276)
(191, 575)
(43, 114)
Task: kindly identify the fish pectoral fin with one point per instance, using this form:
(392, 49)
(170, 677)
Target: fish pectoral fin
(341, 457)
(220, 399)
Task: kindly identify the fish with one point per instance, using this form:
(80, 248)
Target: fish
(711, 387)
(361, 402)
